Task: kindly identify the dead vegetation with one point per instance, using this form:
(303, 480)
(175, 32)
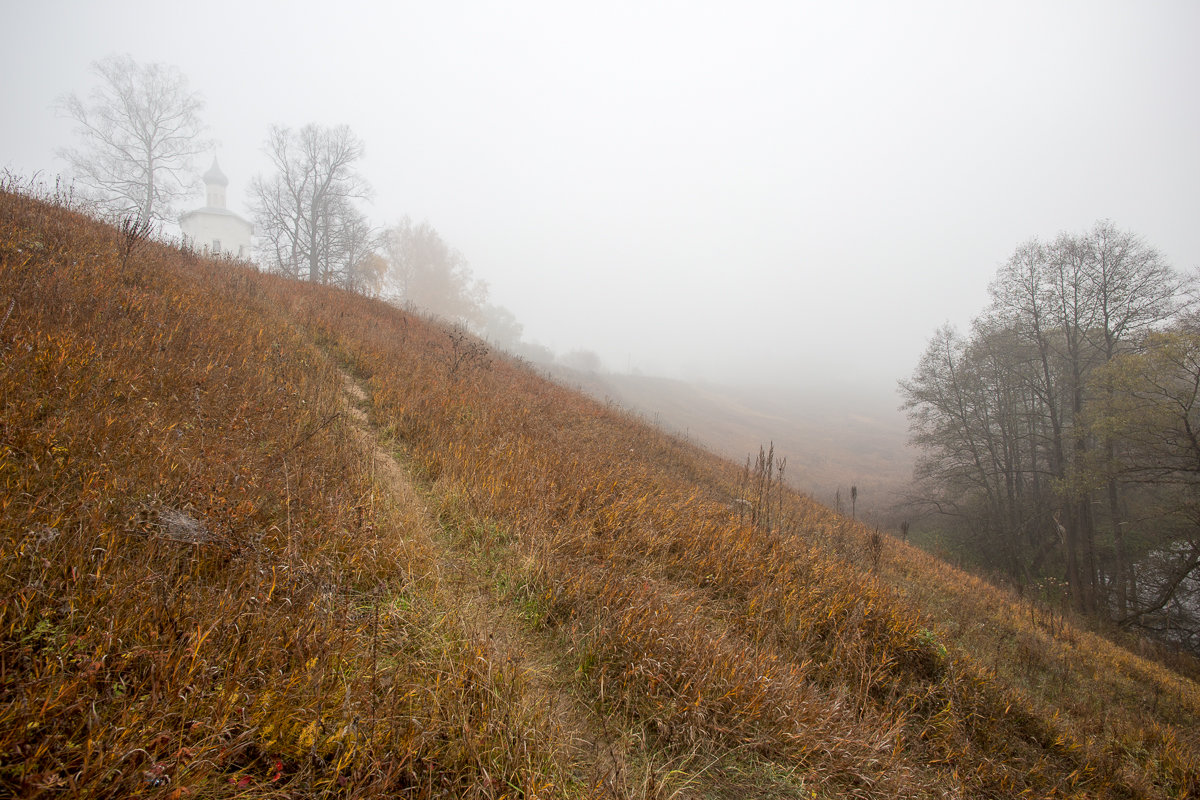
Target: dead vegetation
(211, 588)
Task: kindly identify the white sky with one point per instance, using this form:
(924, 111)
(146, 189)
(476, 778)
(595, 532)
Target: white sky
(785, 191)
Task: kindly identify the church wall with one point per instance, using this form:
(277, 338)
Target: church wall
(218, 233)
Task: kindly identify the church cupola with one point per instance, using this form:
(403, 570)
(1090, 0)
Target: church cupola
(215, 183)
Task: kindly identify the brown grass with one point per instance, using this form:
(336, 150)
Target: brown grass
(201, 596)
(211, 591)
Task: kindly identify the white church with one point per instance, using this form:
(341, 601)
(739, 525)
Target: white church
(214, 228)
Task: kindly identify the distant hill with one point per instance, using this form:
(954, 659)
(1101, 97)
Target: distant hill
(831, 441)
(263, 538)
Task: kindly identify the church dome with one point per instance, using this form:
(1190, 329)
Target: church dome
(214, 175)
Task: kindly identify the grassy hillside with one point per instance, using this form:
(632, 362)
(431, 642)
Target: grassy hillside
(831, 441)
(269, 539)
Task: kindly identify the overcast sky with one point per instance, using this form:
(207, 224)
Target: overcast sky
(780, 191)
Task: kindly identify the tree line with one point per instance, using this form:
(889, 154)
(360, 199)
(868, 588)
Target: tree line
(140, 129)
(1060, 436)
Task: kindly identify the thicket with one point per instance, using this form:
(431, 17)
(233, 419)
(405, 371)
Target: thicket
(1058, 436)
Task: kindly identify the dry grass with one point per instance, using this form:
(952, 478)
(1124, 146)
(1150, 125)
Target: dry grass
(201, 595)
(209, 589)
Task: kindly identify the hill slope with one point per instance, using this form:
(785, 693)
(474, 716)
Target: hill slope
(268, 539)
(831, 441)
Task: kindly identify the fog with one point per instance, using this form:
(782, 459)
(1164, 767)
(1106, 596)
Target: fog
(765, 193)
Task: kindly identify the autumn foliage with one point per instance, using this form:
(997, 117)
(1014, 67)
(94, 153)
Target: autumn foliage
(213, 585)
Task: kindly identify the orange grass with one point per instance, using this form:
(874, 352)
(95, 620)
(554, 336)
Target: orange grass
(690, 623)
(207, 595)
(199, 596)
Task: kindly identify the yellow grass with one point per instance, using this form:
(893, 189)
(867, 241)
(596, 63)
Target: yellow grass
(211, 590)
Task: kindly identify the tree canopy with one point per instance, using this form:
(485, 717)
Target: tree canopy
(426, 272)
(1054, 434)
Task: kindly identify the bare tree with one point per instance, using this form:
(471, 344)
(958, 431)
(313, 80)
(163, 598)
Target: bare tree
(984, 437)
(309, 226)
(140, 130)
(349, 257)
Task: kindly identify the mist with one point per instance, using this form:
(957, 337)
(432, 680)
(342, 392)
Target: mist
(787, 195)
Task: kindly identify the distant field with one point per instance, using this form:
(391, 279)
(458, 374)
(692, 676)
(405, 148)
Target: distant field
(830, 442)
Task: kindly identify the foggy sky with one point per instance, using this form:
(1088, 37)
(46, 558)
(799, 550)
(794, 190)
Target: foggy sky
(761, 192)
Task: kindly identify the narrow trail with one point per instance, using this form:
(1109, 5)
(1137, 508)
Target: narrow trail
(607, 758)
(470, 576)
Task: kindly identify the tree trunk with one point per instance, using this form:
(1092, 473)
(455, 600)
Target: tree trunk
(1118, 534)
(148, 201)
